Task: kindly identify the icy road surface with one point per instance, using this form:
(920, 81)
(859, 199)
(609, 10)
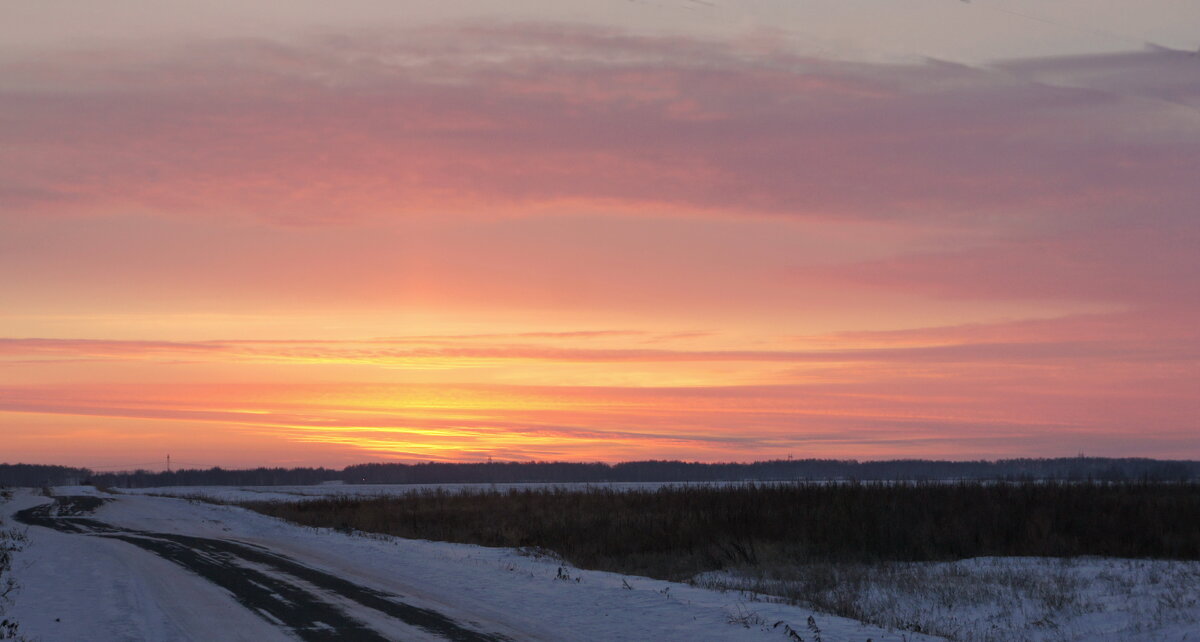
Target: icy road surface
(127, 567)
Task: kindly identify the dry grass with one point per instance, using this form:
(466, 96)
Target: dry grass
(677, 532)
(880, 553)
(12, 540)
(989, 599)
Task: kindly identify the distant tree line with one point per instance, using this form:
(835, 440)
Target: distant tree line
(219, 477)
(1061, 469)
(35, 475)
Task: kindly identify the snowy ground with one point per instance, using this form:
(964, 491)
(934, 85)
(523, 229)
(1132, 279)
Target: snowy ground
(304, 493)
(1006, 599)
(338, 489)
(76, 586)
(91, 585)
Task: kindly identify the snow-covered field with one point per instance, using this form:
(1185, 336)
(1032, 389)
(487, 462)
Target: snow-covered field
(89, 586)
(93, 585)
(305, 493)
(1003, 599)
(338, 489)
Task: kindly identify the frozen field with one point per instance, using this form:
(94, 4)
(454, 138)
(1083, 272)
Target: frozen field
(139, 567)
(303, 493)
(1002, 599)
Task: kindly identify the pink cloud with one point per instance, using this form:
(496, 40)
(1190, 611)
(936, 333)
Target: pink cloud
(383, 352)
(1150, 263)
(526, 118)
(543, 174)
(100, 348)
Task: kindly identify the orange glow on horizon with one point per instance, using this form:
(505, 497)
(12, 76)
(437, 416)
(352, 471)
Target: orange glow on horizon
(583, 243)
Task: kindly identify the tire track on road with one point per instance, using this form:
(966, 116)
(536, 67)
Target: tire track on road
(225, 563)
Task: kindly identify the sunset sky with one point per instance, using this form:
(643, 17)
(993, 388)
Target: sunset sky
(327, 233)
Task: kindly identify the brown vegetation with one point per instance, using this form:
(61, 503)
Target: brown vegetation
(676, 532)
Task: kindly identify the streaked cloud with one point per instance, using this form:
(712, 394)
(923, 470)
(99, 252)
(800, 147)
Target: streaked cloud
(562, 241)
(451, 351)
(515, 119)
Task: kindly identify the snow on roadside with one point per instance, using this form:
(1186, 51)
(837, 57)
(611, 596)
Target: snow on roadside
(982, 599)
(1004, 599)
(85, 583)
(73, 587)
(325, 491)
(536, 595)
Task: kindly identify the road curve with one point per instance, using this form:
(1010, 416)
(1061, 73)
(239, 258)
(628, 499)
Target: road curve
(303, 600)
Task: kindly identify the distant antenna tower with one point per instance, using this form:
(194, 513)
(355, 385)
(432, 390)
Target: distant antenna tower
(168, 463)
